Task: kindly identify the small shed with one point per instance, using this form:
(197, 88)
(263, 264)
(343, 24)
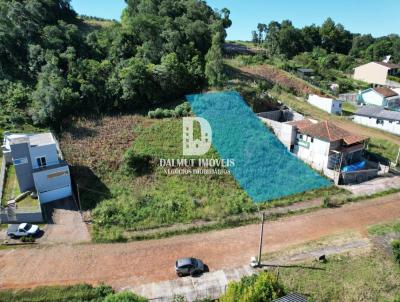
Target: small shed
(305, 72)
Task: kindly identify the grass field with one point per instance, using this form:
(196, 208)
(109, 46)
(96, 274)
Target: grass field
(11, 191)
(123, 201)
(369, 277)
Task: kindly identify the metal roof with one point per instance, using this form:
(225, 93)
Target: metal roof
(293, 297)
(378, 112)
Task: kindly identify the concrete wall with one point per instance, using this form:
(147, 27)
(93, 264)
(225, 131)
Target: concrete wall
(284, 132)
(272, 115)
(23, 166)
(48, 151)
(2, 176)
(372, 73)
(327, 104)
(392, 127)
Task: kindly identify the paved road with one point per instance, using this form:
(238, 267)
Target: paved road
(132, 264)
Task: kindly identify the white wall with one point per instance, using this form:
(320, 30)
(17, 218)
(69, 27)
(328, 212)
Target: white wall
(285, 132)
(371, 73)
(49, 151)
(46, 180)
(371, 97)
(392, 127)
(317, 153)
(327, 104)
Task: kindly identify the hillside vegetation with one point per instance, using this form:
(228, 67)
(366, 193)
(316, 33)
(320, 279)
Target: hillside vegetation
(53, 65)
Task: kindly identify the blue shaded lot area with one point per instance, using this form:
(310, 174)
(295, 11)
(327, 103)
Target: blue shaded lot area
(264, 168)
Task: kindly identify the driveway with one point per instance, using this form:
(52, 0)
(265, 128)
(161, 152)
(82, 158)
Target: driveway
(136, 263)
(374, 186)
(65, 223)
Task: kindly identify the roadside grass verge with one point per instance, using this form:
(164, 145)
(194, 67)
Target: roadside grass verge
(74, 293)
(385, 228)
(370, 277)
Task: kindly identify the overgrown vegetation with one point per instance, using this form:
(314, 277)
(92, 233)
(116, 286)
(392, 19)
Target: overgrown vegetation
(126, 200)
(263, 287)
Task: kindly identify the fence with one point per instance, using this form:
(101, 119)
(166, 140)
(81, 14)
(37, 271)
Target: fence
(2, 176)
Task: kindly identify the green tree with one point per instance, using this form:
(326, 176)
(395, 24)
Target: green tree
(214, 63)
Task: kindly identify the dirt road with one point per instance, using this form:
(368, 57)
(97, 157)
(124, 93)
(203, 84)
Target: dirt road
(130, 264)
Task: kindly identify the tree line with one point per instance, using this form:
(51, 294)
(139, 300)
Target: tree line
(53, 64)
(283, 39)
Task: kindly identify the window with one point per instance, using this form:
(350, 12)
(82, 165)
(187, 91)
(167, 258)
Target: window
(379, 122)
(340, 105)
(301, 136)
(41, 161)
(312, 139)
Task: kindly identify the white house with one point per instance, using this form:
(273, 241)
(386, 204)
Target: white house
(328, 148)
(376, 73)
(327, 104)
(38, 165)
(378, 117)
(379, 96)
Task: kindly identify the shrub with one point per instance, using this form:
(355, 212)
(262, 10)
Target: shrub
(136, 164)
(263, 287)
(179, 111)
(396, 250)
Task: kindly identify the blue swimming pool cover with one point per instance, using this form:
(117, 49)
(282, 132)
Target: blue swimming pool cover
(264, 168)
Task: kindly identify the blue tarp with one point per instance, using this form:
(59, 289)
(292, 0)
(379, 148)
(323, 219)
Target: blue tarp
(354, 167)
(264, 168)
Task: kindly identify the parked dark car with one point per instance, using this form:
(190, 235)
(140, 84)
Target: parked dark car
(189, 267)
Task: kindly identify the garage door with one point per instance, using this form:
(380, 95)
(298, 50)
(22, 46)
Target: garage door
(53, 195)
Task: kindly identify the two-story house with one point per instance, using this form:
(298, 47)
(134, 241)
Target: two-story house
(326, 147)
(38, 165)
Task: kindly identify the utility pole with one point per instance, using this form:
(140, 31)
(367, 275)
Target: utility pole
(397, 157)
(261, 239)
(79, 199)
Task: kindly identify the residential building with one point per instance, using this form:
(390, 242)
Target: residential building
(377, 73)
(38, 165)
(325, 146)
(329, 105)
(378, 117)
(380, 96)
(334, 151)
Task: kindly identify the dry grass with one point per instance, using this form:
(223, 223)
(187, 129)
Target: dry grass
(100, 143)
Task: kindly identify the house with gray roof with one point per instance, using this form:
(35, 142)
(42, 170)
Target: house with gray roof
(39, 165)
(379, 117)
